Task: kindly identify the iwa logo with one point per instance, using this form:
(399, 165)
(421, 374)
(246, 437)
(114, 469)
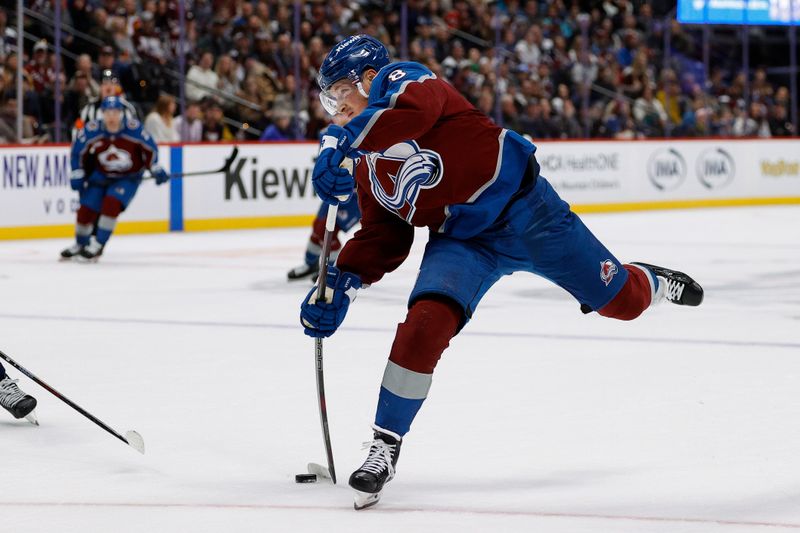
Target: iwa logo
(715, 168)
(399, 174)
(666, 169)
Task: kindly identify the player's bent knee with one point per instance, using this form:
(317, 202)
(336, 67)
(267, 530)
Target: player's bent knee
(112, 207)
(634, 297)
(86, 215)
(420, 340)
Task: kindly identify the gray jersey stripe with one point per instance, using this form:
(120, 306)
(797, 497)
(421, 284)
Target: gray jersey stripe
(392, 103)
(406, 383)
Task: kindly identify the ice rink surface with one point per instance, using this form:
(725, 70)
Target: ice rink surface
(539, 419)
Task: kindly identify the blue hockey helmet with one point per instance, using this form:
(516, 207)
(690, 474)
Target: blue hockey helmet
(111, 102)
(349, 59)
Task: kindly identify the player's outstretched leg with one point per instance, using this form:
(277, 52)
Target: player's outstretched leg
(106, 223)
(16, 402)
(377, 470)
(674, 286)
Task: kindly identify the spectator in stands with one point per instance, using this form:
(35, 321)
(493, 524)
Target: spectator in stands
(281, 127)
(649, 113)
(566, 122)
(99, 28)
(190, 126)
(227, 82)
(201, 78)
(545, 56)
(8, 36)
(85, 67)
(217, 40)
(779, 124)
(751, 122)
(529, 50)
(148, 41)
(78, 94)
(160, 123)
(40, 68)
(259, 91)
(106, 60)
(214, 129)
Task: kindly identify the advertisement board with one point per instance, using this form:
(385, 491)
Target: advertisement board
(270, 185)
(36, 199)
(267, 184)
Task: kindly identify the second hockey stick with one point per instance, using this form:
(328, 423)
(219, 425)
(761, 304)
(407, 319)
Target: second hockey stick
(222, 170)
(330, 227)
(131, 438)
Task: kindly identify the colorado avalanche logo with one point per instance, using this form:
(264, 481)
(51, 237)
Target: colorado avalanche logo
(399, 174)
(607, 271)
(113, 159)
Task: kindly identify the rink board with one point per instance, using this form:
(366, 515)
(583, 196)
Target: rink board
(269, 184)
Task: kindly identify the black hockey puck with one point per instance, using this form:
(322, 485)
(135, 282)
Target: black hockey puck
(305, 478)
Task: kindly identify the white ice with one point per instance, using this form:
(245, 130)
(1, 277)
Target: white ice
(539, 419)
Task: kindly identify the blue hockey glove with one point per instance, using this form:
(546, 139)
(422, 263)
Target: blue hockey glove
(77, 179)
(321, 319)
(332, 183)
(159, 174)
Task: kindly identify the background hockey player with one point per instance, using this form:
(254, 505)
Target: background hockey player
(428, 158)
(108, 161)
(347, 216)
(13, 400)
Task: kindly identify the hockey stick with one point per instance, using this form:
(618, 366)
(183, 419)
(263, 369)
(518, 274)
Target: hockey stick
(222, 170)
(330, 227)
(131, 438)
(225, 168)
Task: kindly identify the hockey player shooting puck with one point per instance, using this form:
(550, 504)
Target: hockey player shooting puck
(305, 478)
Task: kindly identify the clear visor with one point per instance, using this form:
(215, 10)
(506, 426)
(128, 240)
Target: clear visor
(333, 97)
(112, 114)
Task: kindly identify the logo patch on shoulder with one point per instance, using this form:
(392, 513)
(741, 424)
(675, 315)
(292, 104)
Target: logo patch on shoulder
(607, 271)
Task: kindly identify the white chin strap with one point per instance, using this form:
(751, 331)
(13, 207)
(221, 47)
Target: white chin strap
(361, 90)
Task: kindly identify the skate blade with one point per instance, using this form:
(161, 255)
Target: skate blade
(31, 417)
(365, 500)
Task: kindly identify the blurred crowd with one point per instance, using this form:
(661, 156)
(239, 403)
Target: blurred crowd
(563, 68)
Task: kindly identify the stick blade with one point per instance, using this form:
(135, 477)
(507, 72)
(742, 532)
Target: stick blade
(135, 441)
(319, 470)
(231, 158)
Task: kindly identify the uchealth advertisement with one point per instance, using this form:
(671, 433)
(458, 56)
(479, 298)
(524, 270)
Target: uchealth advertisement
(646, 172)
(269, 184)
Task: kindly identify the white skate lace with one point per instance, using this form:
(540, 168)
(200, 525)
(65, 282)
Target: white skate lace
(674, 290)
(10, 393)
(379, 458)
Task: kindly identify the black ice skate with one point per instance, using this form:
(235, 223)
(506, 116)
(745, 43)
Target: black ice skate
(303, 271)
(675, 286)
(92, 251)
(16, 402)
(377, 470)
(71, 252)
